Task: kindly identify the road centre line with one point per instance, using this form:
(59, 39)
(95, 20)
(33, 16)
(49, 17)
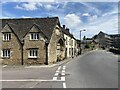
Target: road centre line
(56, 74)
(59, 68)
(64, 66)
(57, 71)
(63, 78)
(63, 71)
(63, 74)
(64, 85)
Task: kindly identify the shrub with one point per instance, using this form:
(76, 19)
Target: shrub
(87, 46)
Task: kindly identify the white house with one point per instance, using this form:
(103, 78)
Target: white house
(70, 43)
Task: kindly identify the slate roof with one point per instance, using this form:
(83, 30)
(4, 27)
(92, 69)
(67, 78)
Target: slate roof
(22, 26)
(67, 32)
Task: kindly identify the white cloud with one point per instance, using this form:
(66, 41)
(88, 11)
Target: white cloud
(49, 7)
(5, 1)
(92, 18)
(86, 14)
(30, 6)
(113, 11)
(105, 24)
(26, 17)
(72, 20)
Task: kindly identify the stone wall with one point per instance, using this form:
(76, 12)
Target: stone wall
(15, 48)
(52, 47)
(40, 44)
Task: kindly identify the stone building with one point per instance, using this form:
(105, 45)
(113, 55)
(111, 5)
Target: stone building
(107, 41)
(31, 41)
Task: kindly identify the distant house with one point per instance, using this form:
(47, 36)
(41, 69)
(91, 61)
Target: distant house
(32, 41)
(107, 41)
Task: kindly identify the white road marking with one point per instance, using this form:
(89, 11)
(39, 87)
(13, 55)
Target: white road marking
(63, 78)
(57, 71)
(29, 80)
(64, 66)
(5, 66)
(64, 85)
(59, 68)
(63, 74)
(63, 71)
(54, 78)
(56, 74)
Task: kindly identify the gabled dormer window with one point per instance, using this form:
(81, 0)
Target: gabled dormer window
(34, 36)
(6, 36)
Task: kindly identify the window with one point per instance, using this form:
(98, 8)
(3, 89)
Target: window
(69, 41)
(66, 41)
(6, 36)
(6, 53)
(33, 53)
(34, 36)
(72, 42)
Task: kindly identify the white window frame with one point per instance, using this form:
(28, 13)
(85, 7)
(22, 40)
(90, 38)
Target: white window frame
(33, 53)
(6, 36)
(6, 53)
(66, 41)
(36, 36)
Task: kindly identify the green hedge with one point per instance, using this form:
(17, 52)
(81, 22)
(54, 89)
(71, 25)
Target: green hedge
(116, 51)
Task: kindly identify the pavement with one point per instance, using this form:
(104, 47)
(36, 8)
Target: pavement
(94, 69)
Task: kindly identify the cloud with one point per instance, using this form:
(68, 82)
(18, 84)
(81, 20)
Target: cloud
(86, 14)
(6, 1)
(48, 7)
(105, 24)
(92, 18)
(25, 17)
(30, 6)
(72, 20)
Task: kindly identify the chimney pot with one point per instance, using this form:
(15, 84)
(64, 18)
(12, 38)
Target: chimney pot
(64, 26)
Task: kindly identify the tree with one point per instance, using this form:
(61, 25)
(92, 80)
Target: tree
(84, 38)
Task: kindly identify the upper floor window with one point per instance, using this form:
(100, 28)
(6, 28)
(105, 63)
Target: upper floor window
(72, 42)
(6, 36)
(66, 41)
(69, 41)
(5, 53)
(33, 53)
(34, 36)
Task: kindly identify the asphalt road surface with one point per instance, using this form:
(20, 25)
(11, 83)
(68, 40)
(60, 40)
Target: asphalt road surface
(95, 69)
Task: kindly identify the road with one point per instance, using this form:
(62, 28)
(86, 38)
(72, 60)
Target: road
(95, 69)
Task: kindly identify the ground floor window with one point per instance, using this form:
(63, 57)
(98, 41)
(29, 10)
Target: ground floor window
(33, 53)
(6, 53)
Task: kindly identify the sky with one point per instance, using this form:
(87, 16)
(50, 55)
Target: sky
(91, 16)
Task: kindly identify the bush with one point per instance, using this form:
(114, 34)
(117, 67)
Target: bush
(116, 51)
(87, 46)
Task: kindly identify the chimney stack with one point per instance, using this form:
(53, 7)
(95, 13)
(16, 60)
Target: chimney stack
(64, 26)
(67, 29)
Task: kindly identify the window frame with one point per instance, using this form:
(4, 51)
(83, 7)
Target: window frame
(6, 36)
(33, 53)
(34, 36)
(6, 53)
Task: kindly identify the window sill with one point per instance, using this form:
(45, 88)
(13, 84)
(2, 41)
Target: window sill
(6, 40)
(34, 40)
(5, 57)
(32, 57)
